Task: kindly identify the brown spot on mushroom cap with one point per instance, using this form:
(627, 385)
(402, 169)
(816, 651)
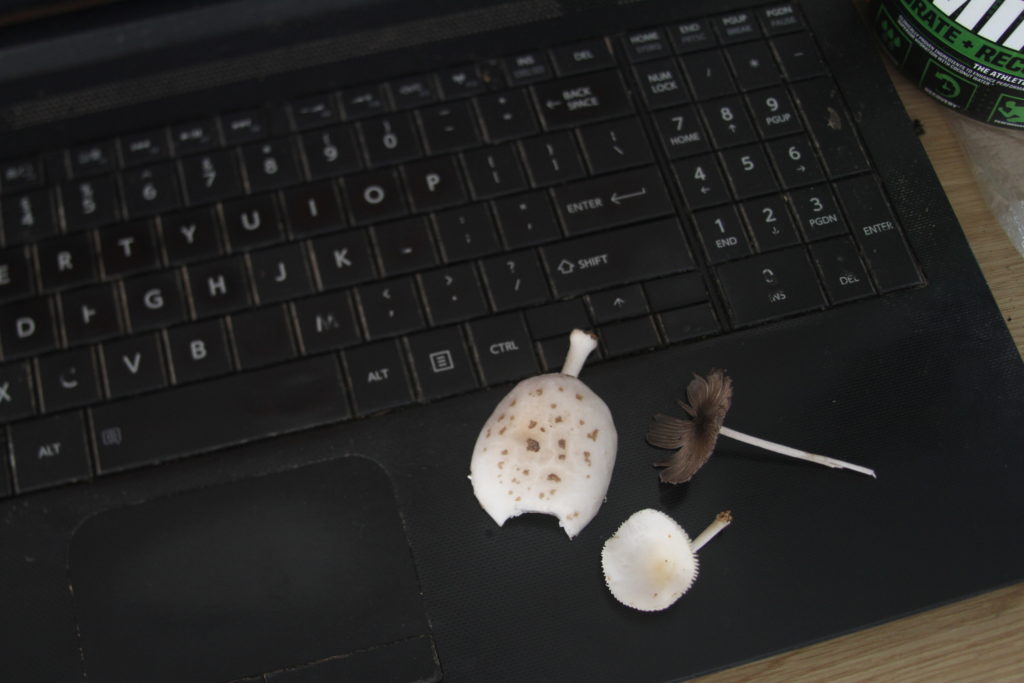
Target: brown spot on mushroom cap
(593, 435)
(502, 430)
(553, 406)
(558, 418)
(540, 495)
(586, 456)
(533, 423)
(501, 417)
(532, 445)
(504, 451)
(513, 403)
(561, 443)
(579, 397)
(554, 477)
(501, 463)
(561, 456)
(526, 473)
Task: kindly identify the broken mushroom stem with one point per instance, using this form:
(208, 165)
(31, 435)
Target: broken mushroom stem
(794, 452)
(581, 344)
(722, 520)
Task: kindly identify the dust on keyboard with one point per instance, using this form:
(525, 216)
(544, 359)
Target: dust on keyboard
(401, 242)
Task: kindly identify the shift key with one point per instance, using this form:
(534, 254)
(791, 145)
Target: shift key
(613, 200)
(616, 257)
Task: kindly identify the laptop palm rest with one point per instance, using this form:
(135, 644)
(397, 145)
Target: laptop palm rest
(302, 575)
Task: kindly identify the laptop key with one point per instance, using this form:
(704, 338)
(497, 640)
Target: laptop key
(155, 301)
(28, 218)
(770, 223)
(66, 261)
(90, 314)
(708, 75)
(343, 259)
(842, 272)
(753, 65)
(681, 132)
(662, 84)
(453, 294)
(615, 146)
(331, 152)
(552, 159)
(191, 235)
(280, 273)
(374, 196)
(145, 148)
(817, 213)
(494, 171)
(49, 451)
(830, 126)
(198, 351)
(736, 27)
(507, 115)
(288, 397)
(774, 112)
(128, 248)
(89, 203)
(877, 233)
(16, 396)
(211, 177)
(390, 308)
(270, 165)
(218, 286)
(466, 232)
(515, 280)
(629, 336)
(20, 174)
(441, 363)
(554, 350)
(244, 126)
(582, 57)
(798, 56)
(616, 257)
(434, 184)
(378, 376)
(613, 200)
(721, 231)
(195, 136)
(16, 274)
(701, 182)
(617, 304)
(647, 44)
(527, 219)
(92, 159)
(68, 380)
(728, 122)
(326, 322)
(557, 319)
(133, 365)
(313, 112)
(27, 328)
(461, 81)
(360, 103)
(676, 291)
(313, 209)
(448, 127)
(404, 246)
(150, 190)
(770, 286)
(262, 336)
(390, 139)
(795, 161)
(413, 91)
(253, 222)
(693, 322)
(579, 100)
(749, 171)
(503, 348)
(527, 68)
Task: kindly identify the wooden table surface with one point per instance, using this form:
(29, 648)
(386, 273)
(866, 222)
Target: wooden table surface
(979, 639)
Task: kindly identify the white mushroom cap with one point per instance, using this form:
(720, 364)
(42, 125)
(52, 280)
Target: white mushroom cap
(648, 562)
(549, 447)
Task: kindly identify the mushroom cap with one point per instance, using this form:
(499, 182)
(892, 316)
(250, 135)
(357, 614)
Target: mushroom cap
(549, 447)
(648, 562)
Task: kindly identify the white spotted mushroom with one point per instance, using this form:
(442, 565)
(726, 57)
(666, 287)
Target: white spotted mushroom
(649, 562)
(549, 447)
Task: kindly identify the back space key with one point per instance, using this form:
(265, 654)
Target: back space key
(201, 417)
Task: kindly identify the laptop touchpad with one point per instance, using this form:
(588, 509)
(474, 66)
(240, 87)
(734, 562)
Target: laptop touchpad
(304, 575)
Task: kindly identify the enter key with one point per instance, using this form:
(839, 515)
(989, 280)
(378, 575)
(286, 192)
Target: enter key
(613, 200)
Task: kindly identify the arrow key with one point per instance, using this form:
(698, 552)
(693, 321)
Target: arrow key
(617, 304)
(49, 451)
(795, 161)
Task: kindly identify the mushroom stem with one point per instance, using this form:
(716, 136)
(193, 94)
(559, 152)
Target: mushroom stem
(795, 453)
(580, 345)
(722, 520)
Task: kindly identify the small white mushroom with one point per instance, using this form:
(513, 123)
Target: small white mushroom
(649, 562)
(548, 447)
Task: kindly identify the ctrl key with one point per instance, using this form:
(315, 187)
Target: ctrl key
(49, 451)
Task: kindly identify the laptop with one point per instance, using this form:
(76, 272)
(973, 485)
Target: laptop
(267, 269)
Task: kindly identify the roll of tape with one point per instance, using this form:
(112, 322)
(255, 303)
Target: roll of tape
(964, 53)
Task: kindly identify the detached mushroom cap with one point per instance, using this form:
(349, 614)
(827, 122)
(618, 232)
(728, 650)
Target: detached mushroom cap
(648, 562)
(548, 447)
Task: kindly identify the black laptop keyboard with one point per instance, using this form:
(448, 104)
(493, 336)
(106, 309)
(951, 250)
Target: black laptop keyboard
(181, 289)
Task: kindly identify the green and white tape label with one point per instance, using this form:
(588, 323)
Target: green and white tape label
(964, 53)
